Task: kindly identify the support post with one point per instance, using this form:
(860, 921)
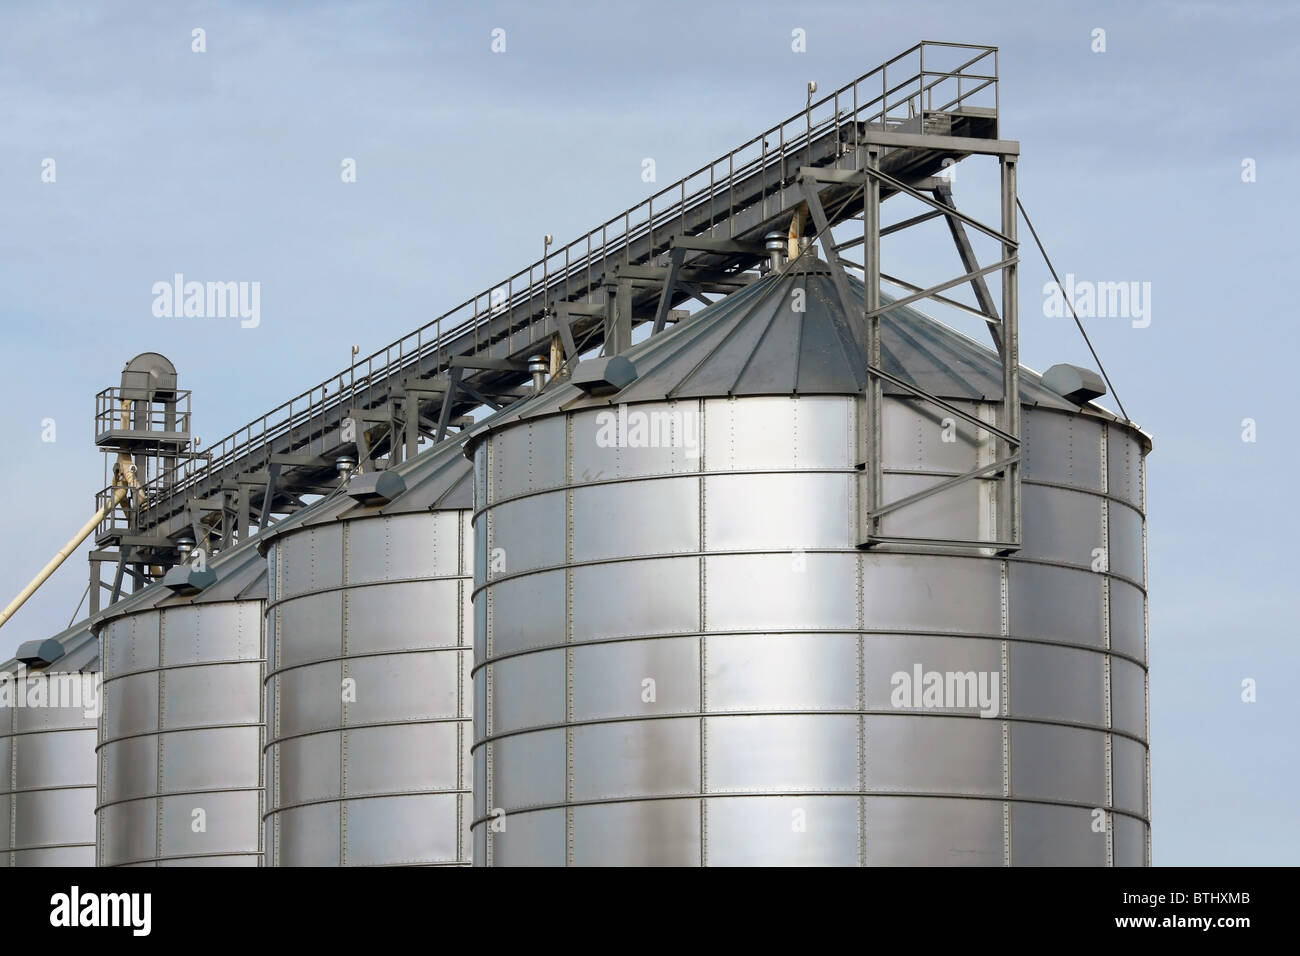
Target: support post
(1009, 512)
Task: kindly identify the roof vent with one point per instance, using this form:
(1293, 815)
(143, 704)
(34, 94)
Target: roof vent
(604, 376)
(39, 653)
(1079, 385)
(775, 245)
(186, 580)
(375, 487)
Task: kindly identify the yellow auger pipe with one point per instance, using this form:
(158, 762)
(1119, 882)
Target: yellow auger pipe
(118, 494)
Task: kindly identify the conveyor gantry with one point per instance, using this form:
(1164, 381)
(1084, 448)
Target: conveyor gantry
(931, 105)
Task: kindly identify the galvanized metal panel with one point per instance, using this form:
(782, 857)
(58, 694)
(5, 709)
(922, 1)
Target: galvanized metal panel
(226, 830)
(643, 833)
(781, 753)
(627, 679)
(931, 754)
(598, 452)
(755, 434)
(317, 696)
(776, 672)
(308, 628)
(916, 435)
(527, 533)
(776, 512)
(923, 831)
(636, 758)
(535, 838)
(1050, 762)
(527, 770)
(1129, 762)
(1128, 620)
(307, 836)
(1053, 835)
(308, 768)
(783, 831)
(955, 513)
(403, 830)
(527, 611)
(1057, 683)
(931, 592)
(530, 692)
(1124, 465)
(760, 592)
(430, 616)
(890, 663)
(1063, 449)
(1056, 604)
(529, 462)
(1126, 543)
(1130, 837)
(1061, 526)
(629, 599)
(1128, 697)
(631, 518)
(317, 563)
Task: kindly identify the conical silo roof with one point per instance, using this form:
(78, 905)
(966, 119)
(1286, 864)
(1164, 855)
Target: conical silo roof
(236, 575)
(438, 479)
(788, 334)
(75, 649)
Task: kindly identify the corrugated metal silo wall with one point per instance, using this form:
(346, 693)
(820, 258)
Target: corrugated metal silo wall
(682, 658)
(180, 743)
(47, 770)
(368, 694)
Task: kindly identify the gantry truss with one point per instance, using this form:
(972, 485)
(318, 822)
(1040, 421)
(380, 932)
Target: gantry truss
(889, 132)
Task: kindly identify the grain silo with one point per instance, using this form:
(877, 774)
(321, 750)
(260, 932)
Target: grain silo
(367, 681)
(180, 742)
(683, 657)
(49, 703)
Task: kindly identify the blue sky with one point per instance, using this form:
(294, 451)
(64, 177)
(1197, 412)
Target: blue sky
(225, 165)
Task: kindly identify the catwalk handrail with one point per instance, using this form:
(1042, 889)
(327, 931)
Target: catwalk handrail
(553, 273)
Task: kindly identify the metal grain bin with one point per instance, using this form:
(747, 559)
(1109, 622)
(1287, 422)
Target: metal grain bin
(180, 740)
(681, 656)
(367, 683)
(49, 704)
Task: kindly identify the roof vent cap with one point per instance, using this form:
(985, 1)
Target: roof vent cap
(375, 487)
(39, 653)
(1079, 385)
(185, 580)
(604, 376)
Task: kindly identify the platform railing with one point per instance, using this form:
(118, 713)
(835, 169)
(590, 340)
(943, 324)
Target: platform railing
(878, 99)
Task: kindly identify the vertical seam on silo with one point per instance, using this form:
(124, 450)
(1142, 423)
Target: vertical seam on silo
(12, 822)
(161, 746)
(851, 437)
(489, 802)
(702, 464)
(345, 540)
(274, 638)
(862, 707)
(460, 690)
(1004, 704)
(568, 637)
(1146, 655)
(1107, 702)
